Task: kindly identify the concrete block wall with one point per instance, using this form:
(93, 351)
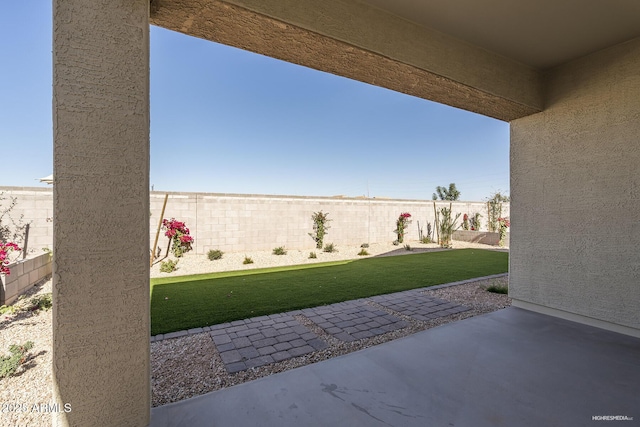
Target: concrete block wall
(483, 237)
(23, 275)
(237, 222)
(241, 222)
(36, 205)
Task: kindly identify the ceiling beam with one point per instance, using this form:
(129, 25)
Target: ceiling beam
(357, 41)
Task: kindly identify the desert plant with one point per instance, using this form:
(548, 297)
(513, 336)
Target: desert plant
(178, 235)
(402, 223)
(11, 229)
(465, 222)
(214, 254)
(475, 222)
(422, 237)
(494, 209)
(407, 247)
(247, 260)
(8, 309)
(168, 266)
(447, 194)
(5, 250)
(41, 302)
(363, 252)
(497, 289)
(313, 255)
(447, 225)
(9, 364)
(280, 250)
(320, 227)
(330, 247)
(503, 224)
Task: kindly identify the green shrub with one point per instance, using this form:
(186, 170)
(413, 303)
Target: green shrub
(214, 254)
(247, 260)
(426, 239)
(41, 302)
(497, 289)
(320, 227)
(313, 255)
(168, 266)
(407, 247)
(363, 252)
(9, 364)
(7, 309)
(280, 250)
(330, 247)
(446, 224)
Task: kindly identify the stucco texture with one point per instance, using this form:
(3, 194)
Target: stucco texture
(101, 211)
(575, 187)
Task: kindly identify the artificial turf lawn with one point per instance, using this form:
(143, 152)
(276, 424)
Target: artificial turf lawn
(186, 302)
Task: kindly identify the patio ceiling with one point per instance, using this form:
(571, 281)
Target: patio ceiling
(481, 56)
(540, 33)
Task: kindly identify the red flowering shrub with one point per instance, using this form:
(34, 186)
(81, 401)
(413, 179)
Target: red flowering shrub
(465, 222)
(401, 225)
(178, 233)
(503, 224)
(5, 250)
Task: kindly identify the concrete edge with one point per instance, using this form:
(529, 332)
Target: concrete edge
(578, 318)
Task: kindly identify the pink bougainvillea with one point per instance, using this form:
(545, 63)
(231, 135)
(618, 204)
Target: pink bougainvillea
(178, 234)
(5, 250)
(401, 225)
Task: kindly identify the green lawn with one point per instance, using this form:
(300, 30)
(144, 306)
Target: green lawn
(186, 302)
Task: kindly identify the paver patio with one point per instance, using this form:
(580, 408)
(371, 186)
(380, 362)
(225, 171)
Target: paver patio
(263, 340)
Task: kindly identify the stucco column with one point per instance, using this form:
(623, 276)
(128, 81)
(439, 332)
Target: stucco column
(101, 212)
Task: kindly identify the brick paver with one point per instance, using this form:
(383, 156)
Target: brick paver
(353, 320)
(417, 305)
(263, 340)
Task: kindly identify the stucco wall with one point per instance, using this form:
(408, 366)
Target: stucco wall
(575, 187)
(101, 203)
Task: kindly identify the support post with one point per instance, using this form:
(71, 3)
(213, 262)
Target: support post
(101, 212)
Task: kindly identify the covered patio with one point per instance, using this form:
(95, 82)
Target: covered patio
(512, 367)
(565, 75)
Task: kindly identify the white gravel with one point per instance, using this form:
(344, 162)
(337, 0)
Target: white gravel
(192, 263)
(191, 365)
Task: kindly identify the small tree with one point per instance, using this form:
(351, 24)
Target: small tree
(451, 194)
(475, 222)
(178, 234)
(402, 223)
(11, 229)
(494, 209)
(447, 225)
(320, 227)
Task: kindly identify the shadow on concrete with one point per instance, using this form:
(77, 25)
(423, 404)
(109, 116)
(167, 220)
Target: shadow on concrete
(508, 368)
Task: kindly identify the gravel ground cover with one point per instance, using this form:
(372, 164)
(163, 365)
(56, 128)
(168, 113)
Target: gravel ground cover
(189, 366)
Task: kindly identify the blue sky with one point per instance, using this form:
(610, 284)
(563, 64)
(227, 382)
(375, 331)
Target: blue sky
(246, 123)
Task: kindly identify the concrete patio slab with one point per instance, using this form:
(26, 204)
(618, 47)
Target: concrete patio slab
(508, 368)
